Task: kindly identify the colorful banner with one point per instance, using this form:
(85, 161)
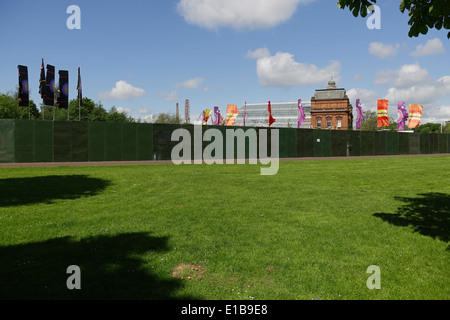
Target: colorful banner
(63, 90)
(215, 120)
(383, 116)
(206, 115)
(415, 115)
(271, 119)
(301, 113)
(232, 113)
(402, 116)
(49, 92)
(24, 94)
(360, 116)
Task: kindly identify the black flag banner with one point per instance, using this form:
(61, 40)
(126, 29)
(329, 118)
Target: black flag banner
(63, 90)
(42, 81)
(24, 95)
(80, 91)
(49, 91)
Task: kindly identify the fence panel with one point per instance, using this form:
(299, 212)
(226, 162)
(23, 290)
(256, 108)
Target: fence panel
(414, 143)
(96, 141)
(379, 141)
(162, 144)
(129, 142)
(288, 142)
(7, 143)
(403, 143)
(322, 143)
(442, 144)
(24, 140)
(434, 143)
(339, 140)
(367, 143)
(43, 141)
(392, 143)
(79, 141)
(62, 142)
(424, 143)
(305, 143)
(113, 141)
(144, 141)
(354, 139)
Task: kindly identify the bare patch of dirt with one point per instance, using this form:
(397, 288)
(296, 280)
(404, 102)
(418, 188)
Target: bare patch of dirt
(188, 271)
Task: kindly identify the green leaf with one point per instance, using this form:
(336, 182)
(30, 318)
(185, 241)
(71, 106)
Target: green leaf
(356, 9)
(424, 29)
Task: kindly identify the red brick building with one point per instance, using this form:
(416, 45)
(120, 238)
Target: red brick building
(331, 109)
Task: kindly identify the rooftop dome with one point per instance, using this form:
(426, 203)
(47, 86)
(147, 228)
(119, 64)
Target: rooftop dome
(331, 84)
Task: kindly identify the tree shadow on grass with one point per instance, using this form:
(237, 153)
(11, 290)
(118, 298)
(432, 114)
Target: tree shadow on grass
(428, 214)
(46, 189)
(111, 267)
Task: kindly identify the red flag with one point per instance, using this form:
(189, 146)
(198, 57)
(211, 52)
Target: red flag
(271, 119)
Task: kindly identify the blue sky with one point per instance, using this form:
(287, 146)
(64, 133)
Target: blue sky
(145, 56)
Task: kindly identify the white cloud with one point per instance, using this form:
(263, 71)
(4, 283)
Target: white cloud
(281, 70)
(123, 110)
(358, 77)
(122, 91)
(382, 50)
(437, 114)
(169, 96)
(433, 46)
(143, 111)
(150, 118)
(422, 94)
(407, 76)
(368, 98)
(384, 77)
(258, 53)
(410, 74)
(411, 84)
(190, 84)
(238, 14)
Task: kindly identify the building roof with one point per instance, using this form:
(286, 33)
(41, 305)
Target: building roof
(285, 114)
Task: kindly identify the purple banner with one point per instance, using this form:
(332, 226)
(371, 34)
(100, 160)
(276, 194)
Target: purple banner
(301, 113)
(402, 116)
(216, 118)
(360, 117)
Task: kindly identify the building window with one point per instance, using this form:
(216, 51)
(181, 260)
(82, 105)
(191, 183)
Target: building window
(319, 123)
(328, 123)
(339, 123)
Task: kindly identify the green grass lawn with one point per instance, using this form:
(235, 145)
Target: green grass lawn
(226, 232)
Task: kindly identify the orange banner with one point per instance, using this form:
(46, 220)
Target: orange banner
(383, 116)
(415, 115)
(232, 113)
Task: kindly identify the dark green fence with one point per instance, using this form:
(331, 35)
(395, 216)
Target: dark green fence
(62, 141)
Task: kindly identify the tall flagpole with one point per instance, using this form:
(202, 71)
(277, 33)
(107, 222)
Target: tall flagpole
(78, 93)
(55, 94)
